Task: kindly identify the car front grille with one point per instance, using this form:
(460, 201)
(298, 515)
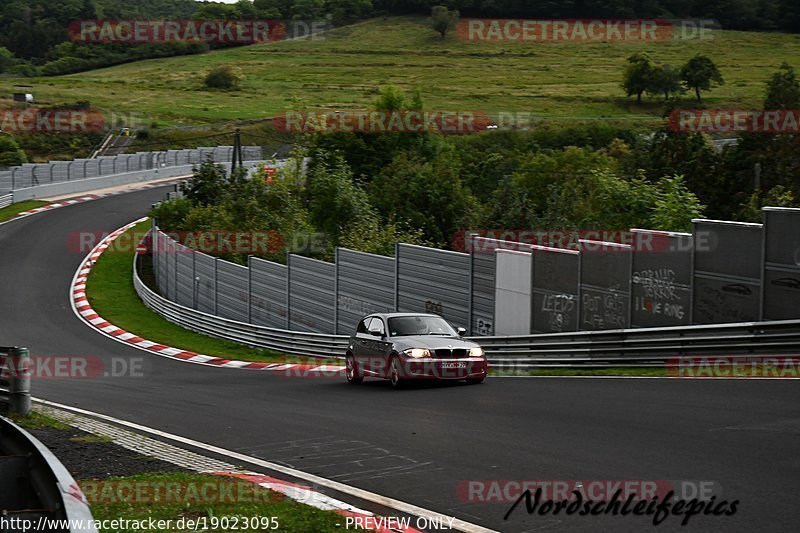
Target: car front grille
(456, 353)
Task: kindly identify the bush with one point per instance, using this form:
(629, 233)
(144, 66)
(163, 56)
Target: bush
(10, 153)
(223, 77)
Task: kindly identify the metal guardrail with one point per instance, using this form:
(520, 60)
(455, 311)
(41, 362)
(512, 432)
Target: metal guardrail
(643, 347)
(6, 200)
(35, 486)
(589, 349)
(284, 341)
(15, 380)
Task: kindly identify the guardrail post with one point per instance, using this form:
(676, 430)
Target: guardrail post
(19, 390)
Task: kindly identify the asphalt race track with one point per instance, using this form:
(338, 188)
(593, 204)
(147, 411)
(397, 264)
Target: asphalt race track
(417, 445)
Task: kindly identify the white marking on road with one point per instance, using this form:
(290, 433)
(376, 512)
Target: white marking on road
(398, 505)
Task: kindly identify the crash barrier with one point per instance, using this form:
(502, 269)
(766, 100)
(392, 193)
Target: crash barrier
(282, 340)
(642, 347)
(36, 490)
(723, 272)
(36, 174)
(6, 200)
(15, 380)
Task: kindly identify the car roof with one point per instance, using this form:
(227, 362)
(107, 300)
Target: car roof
(393, 315)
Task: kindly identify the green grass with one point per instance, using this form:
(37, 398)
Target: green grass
(90, 439)
(37, 420)
(7, 213)
(112, 295)
(346, 70)
(255, 503)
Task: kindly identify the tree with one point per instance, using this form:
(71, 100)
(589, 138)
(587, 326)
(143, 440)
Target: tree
(11, 154)
(443, 20)
(222, 77)
(783, 90)
(664, 79)
(336, 202)
(207, 185)
(700, 73)
(675, 206)
(6, 59)
(636, 79)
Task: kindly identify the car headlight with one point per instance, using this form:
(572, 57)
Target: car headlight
(476, 352)
(416, 353)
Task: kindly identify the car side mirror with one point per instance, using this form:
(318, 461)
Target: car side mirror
(461, 331)
(375, 333)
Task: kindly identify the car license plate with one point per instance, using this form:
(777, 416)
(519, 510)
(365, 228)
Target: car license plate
(454, 365)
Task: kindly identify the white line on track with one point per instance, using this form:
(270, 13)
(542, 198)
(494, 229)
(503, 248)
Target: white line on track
(391, 503)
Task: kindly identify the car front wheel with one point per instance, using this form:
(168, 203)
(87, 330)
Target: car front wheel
(395, 374)
(351, 371)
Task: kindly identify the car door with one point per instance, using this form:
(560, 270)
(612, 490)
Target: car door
(379, 347)
(360, 339)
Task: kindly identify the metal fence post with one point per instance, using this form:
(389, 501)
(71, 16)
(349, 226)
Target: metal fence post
(336, 291)
(19, 389)
(397, 276)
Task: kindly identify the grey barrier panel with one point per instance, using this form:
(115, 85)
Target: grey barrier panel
(482, 252)
(661, 279)
(32, 174)
(605, 288)
(233, 291)
(727, 271)
(205, 281)
(312, 295)
(5, 200)
(434, 281)
(364, 285)
(267, 293)
(512, 315)
(185, 276)
(163, 275)
(172, 270)
(555, 286)
(155, 243)
(781, 263)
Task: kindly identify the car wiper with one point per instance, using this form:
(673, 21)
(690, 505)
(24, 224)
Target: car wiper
(442, 334)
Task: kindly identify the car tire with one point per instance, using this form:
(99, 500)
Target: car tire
(476, 381)
(395, 377)
(351, 372)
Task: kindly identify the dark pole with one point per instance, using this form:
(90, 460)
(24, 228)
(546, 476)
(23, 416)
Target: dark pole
(236, 153)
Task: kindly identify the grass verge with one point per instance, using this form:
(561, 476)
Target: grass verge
(37, 420)
(112, 295)
(240, 509)
(7, 213)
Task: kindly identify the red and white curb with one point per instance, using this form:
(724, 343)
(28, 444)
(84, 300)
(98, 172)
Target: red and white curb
(84, 311)
(87, 198)
(305, 495)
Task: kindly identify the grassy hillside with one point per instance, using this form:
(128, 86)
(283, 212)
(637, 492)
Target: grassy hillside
(345, 70)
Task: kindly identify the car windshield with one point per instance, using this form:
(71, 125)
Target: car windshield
(419, 325)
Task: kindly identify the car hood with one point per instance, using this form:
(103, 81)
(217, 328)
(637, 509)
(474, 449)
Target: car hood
(431, 342)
